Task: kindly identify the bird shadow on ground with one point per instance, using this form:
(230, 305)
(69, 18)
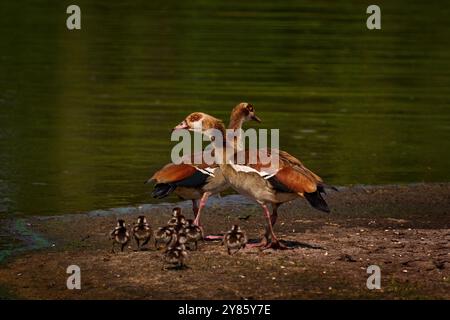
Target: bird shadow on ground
(297, 244)
(177, 267)
(290, 244)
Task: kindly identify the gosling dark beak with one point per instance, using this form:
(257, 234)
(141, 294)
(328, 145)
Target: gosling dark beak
(255, 118)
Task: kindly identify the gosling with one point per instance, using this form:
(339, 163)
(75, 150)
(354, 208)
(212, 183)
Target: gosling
(235, 239)
(120, 235)
(164, 236)
(176, 253)
(177, 220)
(142, 232)
(193, 233)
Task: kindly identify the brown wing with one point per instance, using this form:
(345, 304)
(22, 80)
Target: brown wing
(291, 174)
(296, 181)
(291, 161)
(173, 172)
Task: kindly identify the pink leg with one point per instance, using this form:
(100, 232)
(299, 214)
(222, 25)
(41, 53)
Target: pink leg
(211, 238)
(274, 243)
(273, 219)
(203, 201)
(194, 207)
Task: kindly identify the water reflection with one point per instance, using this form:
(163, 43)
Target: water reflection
(86, 115)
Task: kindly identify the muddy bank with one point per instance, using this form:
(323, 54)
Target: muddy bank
(402, 229)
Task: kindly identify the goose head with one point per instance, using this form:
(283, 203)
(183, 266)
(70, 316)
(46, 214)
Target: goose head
(176, 212)
(142, 220)
(200, 122)
(235, 228)
(241, 113)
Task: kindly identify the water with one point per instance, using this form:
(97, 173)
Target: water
(86, 115)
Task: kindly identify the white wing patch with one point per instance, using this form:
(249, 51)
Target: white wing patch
(208, 170)
(265, 174)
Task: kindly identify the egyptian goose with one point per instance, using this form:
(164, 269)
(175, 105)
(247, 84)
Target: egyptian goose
(235, 239)
(142, 232)
(192, 182)
(120, 235)
(289, 180)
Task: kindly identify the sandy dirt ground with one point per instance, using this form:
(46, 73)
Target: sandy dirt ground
(402, 229)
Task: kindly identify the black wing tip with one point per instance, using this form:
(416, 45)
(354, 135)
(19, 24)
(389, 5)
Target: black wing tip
(322, 188)
(316, 201)
(162, 190)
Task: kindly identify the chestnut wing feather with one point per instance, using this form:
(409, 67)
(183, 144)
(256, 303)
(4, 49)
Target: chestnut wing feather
(173, 172)
(292, 175)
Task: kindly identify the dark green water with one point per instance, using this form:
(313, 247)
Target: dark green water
(86, 115)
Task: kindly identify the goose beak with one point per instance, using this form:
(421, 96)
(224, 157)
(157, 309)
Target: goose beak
(255, 118)
(182, 125)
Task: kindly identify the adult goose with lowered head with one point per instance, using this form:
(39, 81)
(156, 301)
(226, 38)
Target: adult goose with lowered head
(261, 181)
(199, 181)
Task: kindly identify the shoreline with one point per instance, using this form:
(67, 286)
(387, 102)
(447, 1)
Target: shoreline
(403, 228)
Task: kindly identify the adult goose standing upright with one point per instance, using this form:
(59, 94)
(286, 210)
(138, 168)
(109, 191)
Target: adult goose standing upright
(260, 181)
(194, 181)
